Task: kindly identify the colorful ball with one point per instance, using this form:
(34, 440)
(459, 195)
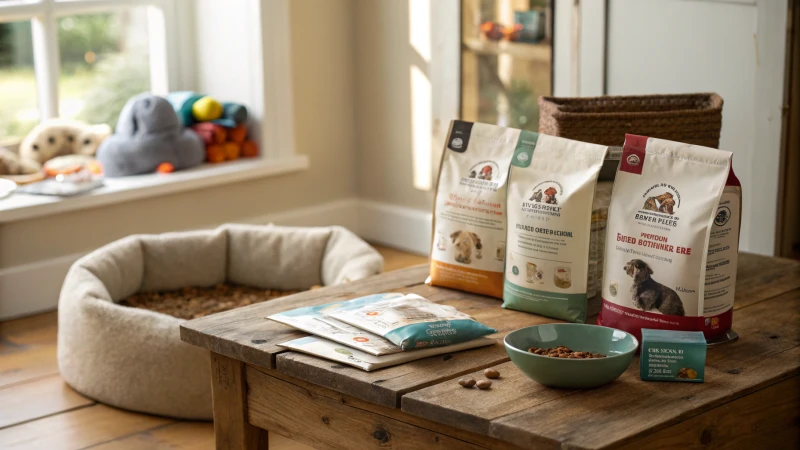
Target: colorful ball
(206, 109)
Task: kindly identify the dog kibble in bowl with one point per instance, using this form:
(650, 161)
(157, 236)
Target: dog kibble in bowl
(564, 352)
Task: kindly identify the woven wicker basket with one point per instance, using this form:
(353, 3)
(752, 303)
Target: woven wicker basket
(690, 118)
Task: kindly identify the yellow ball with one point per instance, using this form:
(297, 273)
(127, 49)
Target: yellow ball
(206, 109)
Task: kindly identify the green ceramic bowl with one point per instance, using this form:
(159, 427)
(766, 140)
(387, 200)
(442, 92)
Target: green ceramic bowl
(618, 345)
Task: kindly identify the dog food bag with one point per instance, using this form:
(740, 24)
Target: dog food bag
(551, 188)
(412, 322)
(664, 210)
(333, 351)
(469, 218)
(723, 254)
(311, 319)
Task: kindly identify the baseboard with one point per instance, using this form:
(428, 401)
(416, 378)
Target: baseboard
(340, 212)
(33, 288)
(400, 227)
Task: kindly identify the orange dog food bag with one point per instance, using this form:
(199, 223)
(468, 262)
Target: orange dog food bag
(469, 217)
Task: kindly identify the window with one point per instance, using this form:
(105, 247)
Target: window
(104, 62)
(506, 60)
(18, 111)
(80, 59)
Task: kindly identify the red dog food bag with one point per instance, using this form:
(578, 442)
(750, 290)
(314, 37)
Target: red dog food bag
(673, 230)
(469, 217)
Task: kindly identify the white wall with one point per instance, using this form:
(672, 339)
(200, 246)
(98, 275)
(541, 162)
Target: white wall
(671, 46)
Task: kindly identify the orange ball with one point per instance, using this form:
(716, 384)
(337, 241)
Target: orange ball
(215, 153)
(249, 149)
(165, 167)
(232, 150)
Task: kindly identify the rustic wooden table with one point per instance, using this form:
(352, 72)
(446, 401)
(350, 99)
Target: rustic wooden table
(751, 397)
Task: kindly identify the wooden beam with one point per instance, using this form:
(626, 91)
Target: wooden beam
(232, 431)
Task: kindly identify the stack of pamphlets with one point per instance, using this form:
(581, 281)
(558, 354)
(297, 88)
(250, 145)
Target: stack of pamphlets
(383, 330)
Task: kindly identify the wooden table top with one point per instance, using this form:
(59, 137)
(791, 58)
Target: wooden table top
(516, 409)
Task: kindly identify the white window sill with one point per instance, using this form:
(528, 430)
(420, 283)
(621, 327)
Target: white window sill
(24, 206)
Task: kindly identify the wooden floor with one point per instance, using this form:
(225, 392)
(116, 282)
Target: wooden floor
(39, 411)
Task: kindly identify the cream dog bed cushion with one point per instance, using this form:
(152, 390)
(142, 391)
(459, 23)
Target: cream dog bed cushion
(133, 358)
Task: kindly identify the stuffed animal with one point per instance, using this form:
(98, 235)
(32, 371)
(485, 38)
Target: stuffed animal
(59, 137)
(12, 164)
(149, 134)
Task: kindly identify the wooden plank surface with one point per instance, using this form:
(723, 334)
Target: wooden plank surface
(761, 357)
(734, 370)
(764, 419)
(38, 398)
(245, 333)
(28, 349)
(768, 328)
(386, 386)
(77, 429)
(325, 423)
(314, 390)
(398, 259)
(174, 436)
(232, 431)
(474, 409)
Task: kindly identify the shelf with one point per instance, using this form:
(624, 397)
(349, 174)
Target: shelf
(523, 50)
(21, 206)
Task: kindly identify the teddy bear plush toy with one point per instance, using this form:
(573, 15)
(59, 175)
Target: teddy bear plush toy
(48, 140)
(59, 137)
(12, 165)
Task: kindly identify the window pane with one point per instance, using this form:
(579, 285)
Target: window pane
(104, 62)
(506, 60)
(18, 110)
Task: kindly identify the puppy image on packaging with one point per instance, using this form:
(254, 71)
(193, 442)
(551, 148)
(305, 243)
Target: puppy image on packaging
(550, 198)
(470, 208)
(648, 294)
(464, 243)
(672, 239)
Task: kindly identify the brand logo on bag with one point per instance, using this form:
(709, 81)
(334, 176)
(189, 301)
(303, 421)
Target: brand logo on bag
(485, 175)
(522, 157)
(633, 160)
(723, 216)
(360, 339)
(542, 200)
(661, 203)
(373, 313)
(457, 143)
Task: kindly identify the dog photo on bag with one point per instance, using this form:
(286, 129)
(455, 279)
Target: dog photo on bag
(673, 231)
(464, 243)
(648, 294)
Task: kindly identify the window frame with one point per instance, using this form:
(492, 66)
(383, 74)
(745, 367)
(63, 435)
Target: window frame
(166, 69)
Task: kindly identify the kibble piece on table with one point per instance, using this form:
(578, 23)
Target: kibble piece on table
(491, 373)
(484, 384)
(466, 382)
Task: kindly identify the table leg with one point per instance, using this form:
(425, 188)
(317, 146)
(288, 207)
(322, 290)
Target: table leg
(229, 392)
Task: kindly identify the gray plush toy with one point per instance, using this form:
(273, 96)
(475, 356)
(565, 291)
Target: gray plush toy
(149, 133)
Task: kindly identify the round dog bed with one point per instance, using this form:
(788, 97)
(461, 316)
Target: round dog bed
(133, 358)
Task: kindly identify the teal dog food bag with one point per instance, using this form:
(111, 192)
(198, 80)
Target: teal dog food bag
(551, 189)
(412, 322)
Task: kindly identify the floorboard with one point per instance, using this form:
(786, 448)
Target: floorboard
(39, 411)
